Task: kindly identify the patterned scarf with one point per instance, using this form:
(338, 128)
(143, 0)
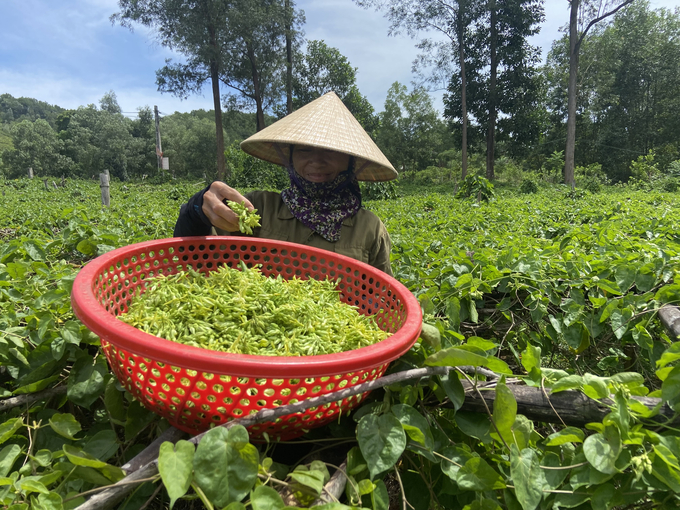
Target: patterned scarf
(323, 206)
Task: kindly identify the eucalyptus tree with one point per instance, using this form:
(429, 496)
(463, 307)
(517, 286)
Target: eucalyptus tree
(255, 64)
(583, 15)
(36, 145)
(321, 69)
(198, 30)
(444, 53)
(410, 132)
(503, 77)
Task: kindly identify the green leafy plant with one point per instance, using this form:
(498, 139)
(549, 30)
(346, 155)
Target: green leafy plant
(379, 190)
(475, 186)
(530, 293)
(528, 186)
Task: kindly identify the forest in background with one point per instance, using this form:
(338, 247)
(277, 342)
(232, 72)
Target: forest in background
(627, 120)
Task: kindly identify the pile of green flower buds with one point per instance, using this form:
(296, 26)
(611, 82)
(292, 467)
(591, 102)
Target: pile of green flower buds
(247, 220)
(246, 312)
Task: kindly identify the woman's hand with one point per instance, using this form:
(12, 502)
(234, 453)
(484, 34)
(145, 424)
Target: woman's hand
(218, 213)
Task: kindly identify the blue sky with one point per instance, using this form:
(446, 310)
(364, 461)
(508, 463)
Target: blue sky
(67, 52)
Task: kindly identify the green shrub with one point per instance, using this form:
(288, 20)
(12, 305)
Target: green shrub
(591, 184)
(670, 184)
(644, 168)
(379, 190)
(528, 186)
(592, 172)
(250, 172)
(431, 175)
(476, 186)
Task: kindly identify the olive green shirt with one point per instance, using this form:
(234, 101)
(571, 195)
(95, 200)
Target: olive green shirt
(362, 237)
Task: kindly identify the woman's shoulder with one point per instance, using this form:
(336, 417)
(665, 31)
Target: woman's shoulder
(260, 198)
(366, 217)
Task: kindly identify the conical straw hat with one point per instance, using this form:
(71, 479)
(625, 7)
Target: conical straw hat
(324, 123)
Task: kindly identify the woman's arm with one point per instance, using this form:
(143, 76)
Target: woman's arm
(192, 221)
(207, 209)
(379, 255)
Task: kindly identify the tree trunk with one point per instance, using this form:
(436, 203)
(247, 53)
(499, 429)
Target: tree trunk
(256, 88)
(289, 59)
(491, 131)
(463, 96)
(222, 172)
(571, 95)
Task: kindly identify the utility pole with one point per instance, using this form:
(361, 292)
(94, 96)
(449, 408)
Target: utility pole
(159, 150)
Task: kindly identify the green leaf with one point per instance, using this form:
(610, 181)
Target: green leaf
(454, 389)
(226, 465)
(475, 425)
(527, 477)
(380, 499)
(625, 276)
(602, 450)
(620, 320)
(453, 313)
(571, 382)
(484, 504)
(603, 497)
(103, 445)
(81, 458)
(65, 425)
(504, 410)
(8, 455)
(611, 306)
(610, 287)
(666, 474)
(29, 486)
(70, 332)
(670, 388)
(51, 501)
(382, 440)
(430, 336)
(86, 380)
(175, 465)
(595, 387)
(266, 498)
(34, 251)
(576, 335)
(113, 400)
(309, 482)
(553, 477)
(531, 358)
(477, 475)
(566, 435)
(415, 425)
(455, 357)
(498, 365)
(87, 247)
(8, 428)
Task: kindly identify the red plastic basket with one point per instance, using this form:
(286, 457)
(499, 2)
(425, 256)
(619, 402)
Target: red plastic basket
(196, 388)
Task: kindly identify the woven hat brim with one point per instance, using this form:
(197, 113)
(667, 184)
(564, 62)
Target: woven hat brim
(324, 123)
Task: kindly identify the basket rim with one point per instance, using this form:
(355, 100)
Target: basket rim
(123, 336)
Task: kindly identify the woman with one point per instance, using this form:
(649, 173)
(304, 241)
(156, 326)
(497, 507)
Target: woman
(326, 153)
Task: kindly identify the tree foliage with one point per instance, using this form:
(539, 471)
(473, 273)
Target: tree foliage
(628, 88)
(322, 69)
(411, 132)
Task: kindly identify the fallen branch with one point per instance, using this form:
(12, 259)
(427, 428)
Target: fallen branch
(29, 398)
(670, 319)
(570, 407)
(334, 488)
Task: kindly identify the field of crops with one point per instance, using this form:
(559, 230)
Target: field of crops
(556, 291)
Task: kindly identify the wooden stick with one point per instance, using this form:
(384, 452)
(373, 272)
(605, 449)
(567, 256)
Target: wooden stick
(29, 398)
